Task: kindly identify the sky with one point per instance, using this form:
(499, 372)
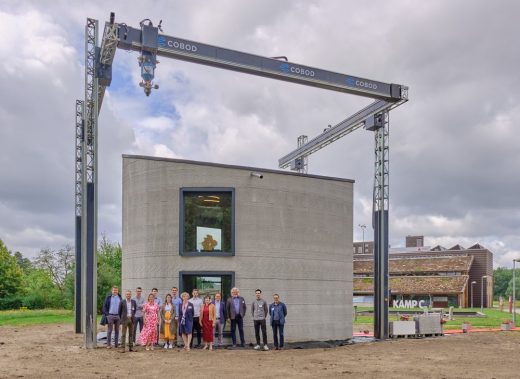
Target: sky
(454, 157)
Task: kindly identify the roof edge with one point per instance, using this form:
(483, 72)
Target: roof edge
(201, 163)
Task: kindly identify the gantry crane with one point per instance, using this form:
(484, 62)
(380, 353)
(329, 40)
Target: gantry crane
(150, 44)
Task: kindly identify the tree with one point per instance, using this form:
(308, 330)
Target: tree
(501, 278)
(56, 264)
(109, 257)
(10, 273)
(24, 263)
(509, 291)
(42, 292)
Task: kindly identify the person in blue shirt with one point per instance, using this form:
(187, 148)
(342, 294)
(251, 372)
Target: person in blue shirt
(220, 323)
(277, 312)
(111, 311)
(177, 301)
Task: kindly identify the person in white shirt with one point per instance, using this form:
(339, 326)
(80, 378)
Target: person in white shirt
(197, 303)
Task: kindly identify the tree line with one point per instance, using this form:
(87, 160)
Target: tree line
(47, 281)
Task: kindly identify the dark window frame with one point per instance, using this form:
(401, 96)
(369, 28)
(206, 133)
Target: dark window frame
(226, 333)
(204, 273)
(184, 190)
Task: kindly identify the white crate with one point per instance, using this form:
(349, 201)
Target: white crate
(402, 328)
(428, 324)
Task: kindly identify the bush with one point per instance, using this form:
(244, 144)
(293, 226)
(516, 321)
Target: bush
(34, 301)
(13, 302)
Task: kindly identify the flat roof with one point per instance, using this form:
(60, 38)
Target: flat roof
(281, 172)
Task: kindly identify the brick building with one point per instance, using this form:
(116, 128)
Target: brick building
(437, 276)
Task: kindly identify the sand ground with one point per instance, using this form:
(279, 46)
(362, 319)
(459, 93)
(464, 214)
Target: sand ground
(55, 351)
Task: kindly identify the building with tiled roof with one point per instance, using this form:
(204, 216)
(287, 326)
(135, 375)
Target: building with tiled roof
(440, 277)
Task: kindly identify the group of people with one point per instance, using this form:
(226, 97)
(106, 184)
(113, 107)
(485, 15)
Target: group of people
(184, 316)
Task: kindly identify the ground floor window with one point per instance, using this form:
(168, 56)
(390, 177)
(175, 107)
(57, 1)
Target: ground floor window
(209, 283)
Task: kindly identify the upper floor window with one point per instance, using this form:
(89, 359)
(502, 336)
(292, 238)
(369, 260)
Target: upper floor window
(207, 221)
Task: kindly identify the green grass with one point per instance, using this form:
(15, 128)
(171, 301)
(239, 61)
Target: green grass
(35, 317)
(493, 319)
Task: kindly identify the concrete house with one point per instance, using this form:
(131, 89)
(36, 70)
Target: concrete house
(213, 226)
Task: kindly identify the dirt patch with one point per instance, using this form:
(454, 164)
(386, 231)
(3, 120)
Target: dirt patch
(55, 351)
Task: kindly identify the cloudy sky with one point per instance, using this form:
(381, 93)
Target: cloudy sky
(455, 160)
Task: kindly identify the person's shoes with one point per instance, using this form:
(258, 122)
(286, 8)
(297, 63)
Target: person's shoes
(233, 346)
(109, 346)
(170, 346)
(266, 348)
(276, 348)
(199, 346)
(242, 345)
(122, 350)
(165, 345)
(257, 347)
(130, 349)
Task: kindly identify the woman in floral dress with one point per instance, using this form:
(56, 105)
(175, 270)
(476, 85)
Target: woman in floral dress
(151, 320)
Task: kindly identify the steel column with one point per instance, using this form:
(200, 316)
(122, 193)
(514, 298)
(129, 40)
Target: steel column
(304, 163)
(380, 224)
(514, 291)
(78, 211)
(89, 210)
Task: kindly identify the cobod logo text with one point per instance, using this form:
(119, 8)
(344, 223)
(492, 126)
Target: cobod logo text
(182, 46)
(161, 41)
(286, 67)
(360, 83)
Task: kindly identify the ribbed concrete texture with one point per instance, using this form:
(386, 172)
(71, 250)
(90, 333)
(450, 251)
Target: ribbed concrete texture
(293, 236)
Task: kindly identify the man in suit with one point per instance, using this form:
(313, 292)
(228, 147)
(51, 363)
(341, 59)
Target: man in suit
(127, 309)
(111, 312)
(220, 311)
(236, 310)
(278, 312)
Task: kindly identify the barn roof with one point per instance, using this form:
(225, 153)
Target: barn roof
(417, 266)
(418, 285)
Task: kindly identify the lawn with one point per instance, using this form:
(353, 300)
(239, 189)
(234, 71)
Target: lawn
(493, 319)
(35, 317)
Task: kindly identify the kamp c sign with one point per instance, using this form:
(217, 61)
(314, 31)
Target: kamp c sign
(409, 303)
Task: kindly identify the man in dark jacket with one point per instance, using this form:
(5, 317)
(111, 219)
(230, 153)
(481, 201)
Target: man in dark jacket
(127, 309)
(236, 310)
(111, 311)
(278, 312)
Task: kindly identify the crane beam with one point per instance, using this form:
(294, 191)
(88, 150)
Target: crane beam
(107, 52)
(196, 52)
(345, 127)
